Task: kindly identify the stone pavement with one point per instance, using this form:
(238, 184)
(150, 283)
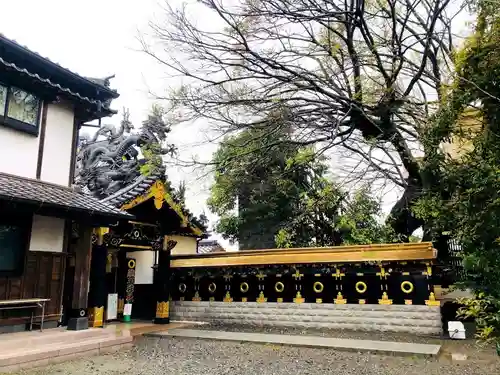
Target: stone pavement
(401, 348)
(138, 328)
(22, 350)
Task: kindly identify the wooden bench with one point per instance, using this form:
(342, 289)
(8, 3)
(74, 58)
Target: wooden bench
(29, 303)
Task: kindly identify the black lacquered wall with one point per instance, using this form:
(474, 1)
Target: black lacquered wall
(353, 283)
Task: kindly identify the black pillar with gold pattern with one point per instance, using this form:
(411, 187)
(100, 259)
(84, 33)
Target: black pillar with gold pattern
(162, 286)
(97, 290)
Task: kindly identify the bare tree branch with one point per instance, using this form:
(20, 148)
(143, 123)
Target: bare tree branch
(354, 76)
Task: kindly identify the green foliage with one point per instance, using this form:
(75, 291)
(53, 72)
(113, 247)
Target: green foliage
(153, 147)
(466, 201)
(485, 310)
(316, 217)
(414, 239)
(152, 157)
(285, 198)
(283, 239)
(180, 194)
(153, 151)
(361, 218)
(266, 175)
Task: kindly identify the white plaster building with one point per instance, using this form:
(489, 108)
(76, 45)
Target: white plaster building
(42, 106)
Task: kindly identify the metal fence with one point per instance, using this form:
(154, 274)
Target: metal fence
(449, 263)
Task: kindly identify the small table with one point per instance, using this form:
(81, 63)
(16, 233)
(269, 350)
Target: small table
(30, 303)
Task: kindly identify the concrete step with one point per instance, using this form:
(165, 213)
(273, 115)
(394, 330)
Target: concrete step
(58, 335)
(401, 348)
(55, 352)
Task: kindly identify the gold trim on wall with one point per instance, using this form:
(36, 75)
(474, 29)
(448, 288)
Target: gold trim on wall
(338, 254)
(136, 246)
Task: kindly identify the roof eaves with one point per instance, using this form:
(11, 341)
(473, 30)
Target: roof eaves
(73, 201)
(50, 83)
(92, 213)
(113, 93)
(131, 191)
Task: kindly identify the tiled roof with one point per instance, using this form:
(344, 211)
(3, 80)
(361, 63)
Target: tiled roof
(141, 184)
(61, 68)
(209, 246)
(50, 83)
(94, 95)
(30, 191)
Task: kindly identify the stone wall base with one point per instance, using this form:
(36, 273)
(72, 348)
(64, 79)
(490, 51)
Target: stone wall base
(416, 319)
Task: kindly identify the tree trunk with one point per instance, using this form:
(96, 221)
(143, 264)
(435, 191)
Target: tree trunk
(401, 218)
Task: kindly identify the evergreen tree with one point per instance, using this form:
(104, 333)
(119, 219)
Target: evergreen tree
(288, 201)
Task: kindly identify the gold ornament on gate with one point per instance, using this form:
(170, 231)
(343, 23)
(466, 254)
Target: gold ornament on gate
(407, 287)
(131, 263)
(244, 287)
(279, 287)
(228, 298)
(96, 316)
(212, 287)
(261, 298)
(298, 298)
(318, 287)
(196, 297)
(162, 309)
(340, 300)
(385, 300)
(361, 287)
(432, 300)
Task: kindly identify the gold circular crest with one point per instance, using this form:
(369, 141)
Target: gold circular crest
(279, 287)
(361, 287)
(131, 263)
(407, 287)
(182, 287)
(244, 287)
(212, 287)
(318, 287)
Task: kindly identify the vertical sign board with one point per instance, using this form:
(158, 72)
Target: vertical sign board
(112, 310)
(129, 290)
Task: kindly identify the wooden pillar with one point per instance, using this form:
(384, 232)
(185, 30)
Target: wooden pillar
(162, 283)
(78, 314)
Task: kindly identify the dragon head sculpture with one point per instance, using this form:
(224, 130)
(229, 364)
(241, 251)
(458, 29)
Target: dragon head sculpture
(108, 161)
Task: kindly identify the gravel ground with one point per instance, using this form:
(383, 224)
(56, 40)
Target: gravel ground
(472, 348)
(153, 356)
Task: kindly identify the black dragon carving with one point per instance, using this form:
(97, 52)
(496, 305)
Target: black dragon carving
(104, 166)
